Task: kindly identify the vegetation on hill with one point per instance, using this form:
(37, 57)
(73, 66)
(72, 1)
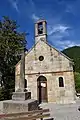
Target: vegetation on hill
(77, 81)
(74, 53)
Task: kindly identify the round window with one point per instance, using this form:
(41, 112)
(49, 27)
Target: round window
(41, 58)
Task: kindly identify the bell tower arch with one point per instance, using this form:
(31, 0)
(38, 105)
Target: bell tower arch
(40, 30)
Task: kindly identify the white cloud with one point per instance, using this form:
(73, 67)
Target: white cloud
(69, 43)
(34, 17)
(62, 44)
(14, 3)
(57, 34)
(66, 43)
(57, 29)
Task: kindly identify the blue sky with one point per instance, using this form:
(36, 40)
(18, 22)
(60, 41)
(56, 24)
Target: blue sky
(62, 16)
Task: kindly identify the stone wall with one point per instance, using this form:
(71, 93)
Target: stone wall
(55, 93)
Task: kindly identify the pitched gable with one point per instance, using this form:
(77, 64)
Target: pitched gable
(53, 59)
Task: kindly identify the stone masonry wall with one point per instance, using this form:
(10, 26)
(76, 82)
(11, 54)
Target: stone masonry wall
(55, 93)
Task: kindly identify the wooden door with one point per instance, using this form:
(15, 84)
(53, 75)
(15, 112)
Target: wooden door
(42, 89)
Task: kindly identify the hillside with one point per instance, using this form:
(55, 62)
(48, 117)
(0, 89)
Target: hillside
(74, 53)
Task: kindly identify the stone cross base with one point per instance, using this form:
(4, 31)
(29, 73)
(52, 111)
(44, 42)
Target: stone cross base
(11, 106)
(21, 96)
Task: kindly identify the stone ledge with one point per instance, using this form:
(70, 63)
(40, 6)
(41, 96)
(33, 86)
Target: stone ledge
(11, 106)
(21, 96)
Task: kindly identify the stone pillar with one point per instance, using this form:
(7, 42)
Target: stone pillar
(36, 29)
(21, 94)
(22, 71)
(44, 28)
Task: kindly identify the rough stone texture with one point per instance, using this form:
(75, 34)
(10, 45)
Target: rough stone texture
(21, 96)
(17, 76)
(12, 106)
(54, 65)
(22, 72)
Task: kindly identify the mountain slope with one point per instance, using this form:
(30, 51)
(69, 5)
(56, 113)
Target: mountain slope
(74, 53)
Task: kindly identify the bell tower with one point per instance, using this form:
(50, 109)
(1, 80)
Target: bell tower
(40, 30)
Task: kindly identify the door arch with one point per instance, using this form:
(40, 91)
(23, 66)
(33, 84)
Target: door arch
(42, 89)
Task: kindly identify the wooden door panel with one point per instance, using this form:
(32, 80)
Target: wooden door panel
(42, 89)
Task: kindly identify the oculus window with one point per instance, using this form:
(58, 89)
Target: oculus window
(41, 58)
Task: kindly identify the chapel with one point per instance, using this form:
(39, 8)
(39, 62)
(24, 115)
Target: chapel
(48, 72)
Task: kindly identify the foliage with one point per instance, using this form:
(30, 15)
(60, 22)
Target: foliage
(74, 53)
(77, 82)
(11, 43)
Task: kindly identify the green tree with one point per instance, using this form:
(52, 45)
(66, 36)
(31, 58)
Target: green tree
(77, 81)
(11, 43)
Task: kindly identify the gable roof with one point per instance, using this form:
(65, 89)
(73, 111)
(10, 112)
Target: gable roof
(59, 52)
(51, 47)
(26, 53)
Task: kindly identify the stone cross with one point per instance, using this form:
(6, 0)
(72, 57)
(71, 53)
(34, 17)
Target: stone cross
(22, 71)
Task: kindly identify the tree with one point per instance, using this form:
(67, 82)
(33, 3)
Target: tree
(77, 81)
(11, 43)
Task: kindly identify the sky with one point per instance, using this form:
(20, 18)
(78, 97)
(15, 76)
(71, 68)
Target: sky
(62, 16)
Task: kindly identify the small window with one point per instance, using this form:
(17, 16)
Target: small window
(25, 83)
(61, 82)
(41, 58)
(40, 28)
(70, 64)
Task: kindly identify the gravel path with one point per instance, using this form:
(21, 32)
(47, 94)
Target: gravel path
(63, 112)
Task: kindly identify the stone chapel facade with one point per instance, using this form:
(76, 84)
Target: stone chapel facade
(48, 72)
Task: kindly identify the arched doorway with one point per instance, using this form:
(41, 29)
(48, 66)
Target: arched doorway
(42, 89)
